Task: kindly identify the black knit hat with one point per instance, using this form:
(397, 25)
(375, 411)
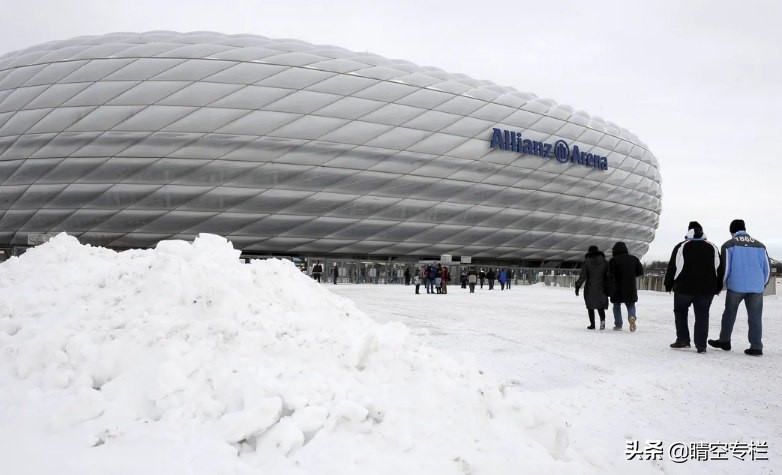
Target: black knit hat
(694, 225)
(593, 249)
(737, 225)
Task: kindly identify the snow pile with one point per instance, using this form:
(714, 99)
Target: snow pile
(182, 359)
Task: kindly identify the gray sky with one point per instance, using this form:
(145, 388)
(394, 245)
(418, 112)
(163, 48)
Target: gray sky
(700, 82)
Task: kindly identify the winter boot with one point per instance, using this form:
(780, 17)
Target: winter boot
(631, 319)
(591, 323)
(602, 324)
(723, 345)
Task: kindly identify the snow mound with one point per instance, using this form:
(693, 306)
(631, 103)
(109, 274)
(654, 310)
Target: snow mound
(182, 359)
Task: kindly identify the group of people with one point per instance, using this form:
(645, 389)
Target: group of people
(435, 277)
(697, 271)
(317, 272)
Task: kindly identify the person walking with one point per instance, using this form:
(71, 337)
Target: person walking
(335, 272)
(747, 271)
(694, 273)
(482, 277)
(407, 276)
(446, 275)
(417, 279)
(511, 275)
(503, 277)
(594, 277)
(623, 268)
(472, 279)
(491, 275)
(317, 271)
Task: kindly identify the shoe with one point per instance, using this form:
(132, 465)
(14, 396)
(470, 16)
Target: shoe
(751, 352)
(591, 327)
(702, 350)
(602, 325)
(632, 323)
(616, 328)
(723, 345)
(680, 344)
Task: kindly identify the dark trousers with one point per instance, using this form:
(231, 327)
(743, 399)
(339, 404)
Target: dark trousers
(700, 305)
(417, 286)
(600, 311)
(491, 284)
(472, 288)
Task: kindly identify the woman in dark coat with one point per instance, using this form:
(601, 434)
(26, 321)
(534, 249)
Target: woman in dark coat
(594, 276)
(623, 269)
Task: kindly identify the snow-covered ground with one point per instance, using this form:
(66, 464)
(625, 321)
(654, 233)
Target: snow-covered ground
(609, 387)
(182, 360)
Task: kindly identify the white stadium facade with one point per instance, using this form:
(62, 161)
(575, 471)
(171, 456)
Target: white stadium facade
(289, 148)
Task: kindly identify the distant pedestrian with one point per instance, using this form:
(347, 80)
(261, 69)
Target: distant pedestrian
(490, 276)
(747, 271)
(694, 273)
(503, 278)
(481, 277)
(511, 275)
(594, 277)
(407, 276)
(336, 273)
(472, 278)
(417, 279)
(317, 271)
(432, 278)
(623, 268)
(444, 279)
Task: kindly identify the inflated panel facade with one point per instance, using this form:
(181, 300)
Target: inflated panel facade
(288, 147)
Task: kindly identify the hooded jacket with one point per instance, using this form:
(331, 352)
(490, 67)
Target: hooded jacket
(747, 267)
(695, 267)
(623, 268)
(594, 272)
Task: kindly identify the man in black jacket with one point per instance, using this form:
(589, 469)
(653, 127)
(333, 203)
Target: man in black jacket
(317, 271)
(623, 268)
(694, 274)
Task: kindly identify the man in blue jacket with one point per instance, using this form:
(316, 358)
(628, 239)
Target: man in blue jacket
(747, 270)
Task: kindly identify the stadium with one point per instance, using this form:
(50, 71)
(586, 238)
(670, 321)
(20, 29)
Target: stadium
(293, 149)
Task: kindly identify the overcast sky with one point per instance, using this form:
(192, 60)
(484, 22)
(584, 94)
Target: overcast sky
(698, 81)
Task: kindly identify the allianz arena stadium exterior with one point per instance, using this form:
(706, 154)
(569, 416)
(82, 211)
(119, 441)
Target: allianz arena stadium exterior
(286, 147)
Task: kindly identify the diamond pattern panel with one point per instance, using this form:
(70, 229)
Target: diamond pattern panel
(283, 146)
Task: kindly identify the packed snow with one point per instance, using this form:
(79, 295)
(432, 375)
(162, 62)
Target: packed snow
(184, 360)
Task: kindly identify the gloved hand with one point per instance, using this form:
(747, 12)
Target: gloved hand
(576, 291)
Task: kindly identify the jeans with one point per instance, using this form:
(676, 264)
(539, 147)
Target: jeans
(618, 312)
(700, 305)
(754, 304)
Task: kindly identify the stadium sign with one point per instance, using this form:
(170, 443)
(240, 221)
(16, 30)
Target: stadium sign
(560, 150)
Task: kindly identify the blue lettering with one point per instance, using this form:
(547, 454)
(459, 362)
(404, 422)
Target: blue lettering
(513, 141)
(496, 139)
